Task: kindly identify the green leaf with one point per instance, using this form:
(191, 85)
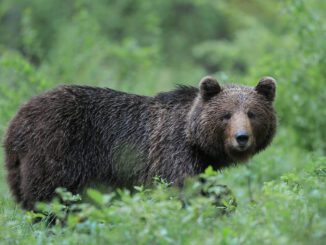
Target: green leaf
(96, 196)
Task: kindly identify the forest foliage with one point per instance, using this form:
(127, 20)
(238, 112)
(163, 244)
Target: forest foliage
(150, 46)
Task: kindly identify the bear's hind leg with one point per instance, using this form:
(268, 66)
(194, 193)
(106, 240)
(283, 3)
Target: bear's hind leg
(13, 177)
(36, 184)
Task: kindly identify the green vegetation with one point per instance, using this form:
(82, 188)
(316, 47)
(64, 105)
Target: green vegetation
(149, 46)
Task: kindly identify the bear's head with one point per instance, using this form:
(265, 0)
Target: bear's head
(234, 122)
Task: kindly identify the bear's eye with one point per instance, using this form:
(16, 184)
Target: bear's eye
(226, 116)
(251, 115)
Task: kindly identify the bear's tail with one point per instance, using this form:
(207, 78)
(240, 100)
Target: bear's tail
(14, 175)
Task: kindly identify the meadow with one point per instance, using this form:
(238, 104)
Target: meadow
(146, 47)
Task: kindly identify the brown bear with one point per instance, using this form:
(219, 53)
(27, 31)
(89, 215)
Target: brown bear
(78, 136)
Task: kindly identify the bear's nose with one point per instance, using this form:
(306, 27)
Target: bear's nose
(242, 138)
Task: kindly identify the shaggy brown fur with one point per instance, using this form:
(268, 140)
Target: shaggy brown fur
(74, 136)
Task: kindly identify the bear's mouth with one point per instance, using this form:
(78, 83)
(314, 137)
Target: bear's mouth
(240, 148)
(240, 154)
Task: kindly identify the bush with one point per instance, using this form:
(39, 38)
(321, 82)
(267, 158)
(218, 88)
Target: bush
(158, 215)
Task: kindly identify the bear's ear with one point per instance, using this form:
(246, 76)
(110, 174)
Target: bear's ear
(267, 87)
(208, 87)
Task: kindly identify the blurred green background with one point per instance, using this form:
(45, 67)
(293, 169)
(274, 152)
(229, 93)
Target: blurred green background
(149, 46)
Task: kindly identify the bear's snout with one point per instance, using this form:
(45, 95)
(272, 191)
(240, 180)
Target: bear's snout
(239, 140)
(242, 139)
